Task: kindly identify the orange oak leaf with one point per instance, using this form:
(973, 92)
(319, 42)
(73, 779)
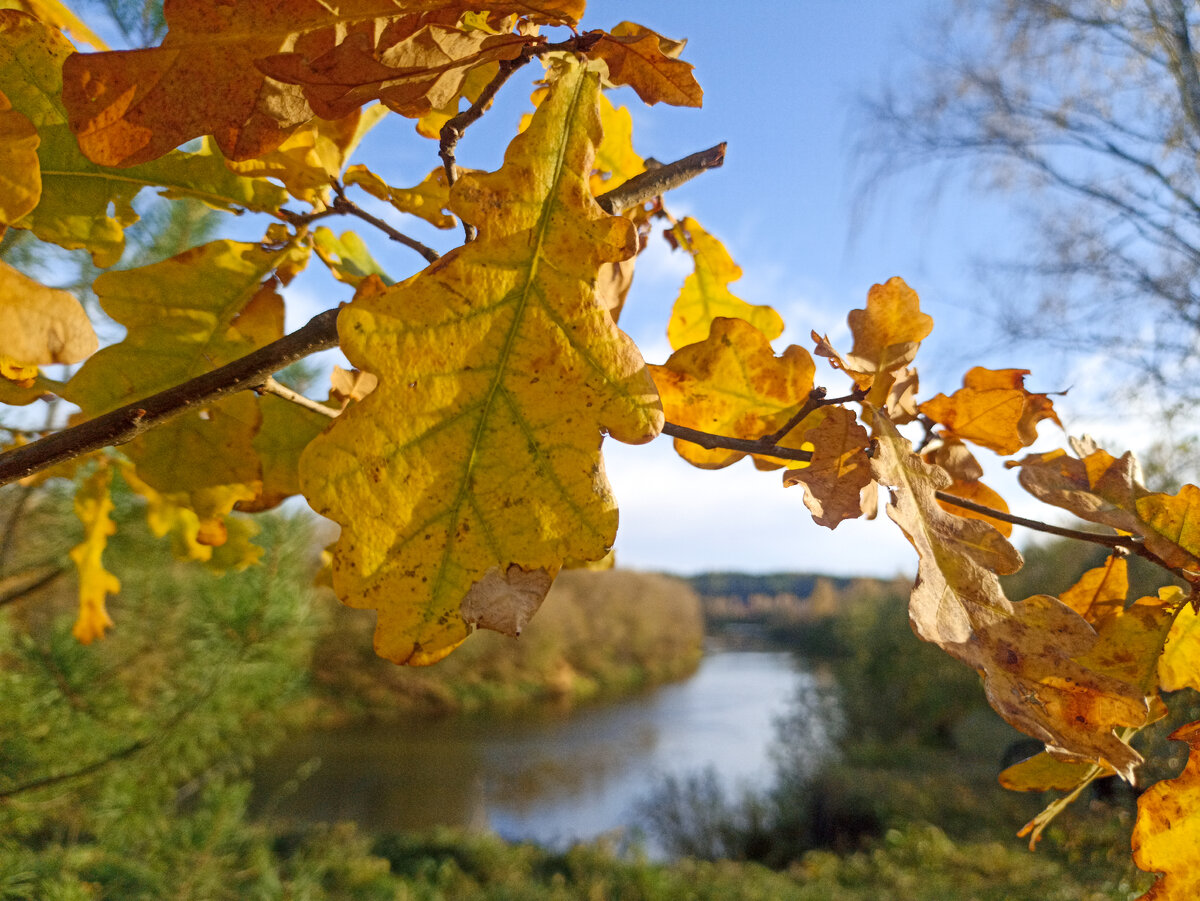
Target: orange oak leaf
(499, 370)
(20, 173)
(56, 15)
(1166, 834)
(731, 384)
(1032, 655)
(705, 294)
(644, 60)
(887, 334)
(993, 410)
(219, 69)
(82, 204)
(840, 470)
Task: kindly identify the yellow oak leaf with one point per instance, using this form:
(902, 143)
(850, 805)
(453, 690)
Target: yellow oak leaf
(839, 470)
(1166, 834)
(169, 514)
(249, 74)
(706, 295)
(477, 456)
(1033, 655)
(39, 325)
(348, 258)
(993, 410)
(427, 200)
(1179, 665)
(616, 160)
(83, 204)
(20, 174)
(286, 430)
(1045, 772)
(644, 60)
(93, 506)
(1101, 591)
(731, 384)
(184, 316)
(314, 155)
(237, 552)
(55, 14)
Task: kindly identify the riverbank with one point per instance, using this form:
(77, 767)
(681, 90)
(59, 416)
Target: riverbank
(598, 635)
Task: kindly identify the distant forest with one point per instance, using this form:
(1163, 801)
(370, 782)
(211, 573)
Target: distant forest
(745, 585)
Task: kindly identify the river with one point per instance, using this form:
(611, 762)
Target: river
(552, 779)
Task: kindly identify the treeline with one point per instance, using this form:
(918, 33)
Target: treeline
(596, 633)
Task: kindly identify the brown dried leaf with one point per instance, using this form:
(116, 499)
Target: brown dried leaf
(840, 469)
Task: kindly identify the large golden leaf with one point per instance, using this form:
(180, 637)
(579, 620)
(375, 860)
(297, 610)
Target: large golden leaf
(732, 384)
(705, 294)
(1044, 669)
(217, 71)
(473, 471)
(1166, 835)
(83, 204)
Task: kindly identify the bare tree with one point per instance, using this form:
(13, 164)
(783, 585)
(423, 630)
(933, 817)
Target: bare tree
(1087, 112)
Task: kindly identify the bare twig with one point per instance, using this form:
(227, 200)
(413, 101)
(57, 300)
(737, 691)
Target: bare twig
(270, 386)
(1126, 543)
(816, 400)
(343, 204)
(127, 422)
(654, 182)
(761, 446)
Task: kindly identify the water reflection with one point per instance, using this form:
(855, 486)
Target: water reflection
(551, 779)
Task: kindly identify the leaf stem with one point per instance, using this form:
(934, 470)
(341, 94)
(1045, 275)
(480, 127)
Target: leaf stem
(270, 386)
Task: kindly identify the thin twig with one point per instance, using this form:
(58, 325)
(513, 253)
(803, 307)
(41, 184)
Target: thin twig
(653, 182)
(270, 386)
(127, 422)
(816, 400)
(759, 446)
(1116, 542)
(13, 590)
(343, 204)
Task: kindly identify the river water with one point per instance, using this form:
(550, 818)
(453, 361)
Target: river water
(552, 779)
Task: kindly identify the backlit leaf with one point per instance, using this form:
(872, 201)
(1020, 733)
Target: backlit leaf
(644, 60)
(286, 430)
(184, 316)
(219, 67)
(1166, 835)
(498, 371)
(705, 294)
(1179, 665)
(93, 506)
(839, 471)
(427, 200)
(314, 155)
(55, 14)
(993, 410)
(887, 334)
(20, 174)
(1105, 489)
(40, 325)
(731, 384)
(347, 257)
(616, 160)
(74, 209)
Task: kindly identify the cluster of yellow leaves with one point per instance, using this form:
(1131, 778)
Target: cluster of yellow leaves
(463, 460)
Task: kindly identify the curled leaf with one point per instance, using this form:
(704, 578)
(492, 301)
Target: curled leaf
(993, 410)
